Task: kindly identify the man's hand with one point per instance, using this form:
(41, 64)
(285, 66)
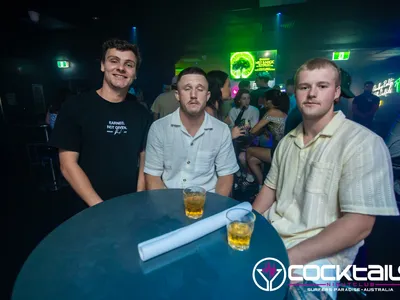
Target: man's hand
(77, 178)
(237, 132)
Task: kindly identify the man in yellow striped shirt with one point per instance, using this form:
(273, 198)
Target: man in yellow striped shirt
(329, 177)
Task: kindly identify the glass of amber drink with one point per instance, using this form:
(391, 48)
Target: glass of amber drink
(194, 199)
(240, 226)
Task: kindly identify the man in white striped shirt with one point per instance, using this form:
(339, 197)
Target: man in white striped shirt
(329, 177)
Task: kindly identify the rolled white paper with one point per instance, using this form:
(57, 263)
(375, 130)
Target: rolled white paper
(185, 235)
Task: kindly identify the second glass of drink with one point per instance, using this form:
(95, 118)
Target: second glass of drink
(240, 226)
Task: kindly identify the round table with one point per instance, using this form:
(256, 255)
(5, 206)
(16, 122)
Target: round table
(94, 255)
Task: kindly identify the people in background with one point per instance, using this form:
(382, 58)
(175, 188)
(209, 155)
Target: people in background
(257, 96)
(165, 103)
(242, 118)
(277, 104)
(190, 147)
(55, 106)
(101, 135)
(243, 113)
(290, 92)
(277, 87)
(321, 182)
(219, 85)
(365, 106)
(227, 105)
(244, 85)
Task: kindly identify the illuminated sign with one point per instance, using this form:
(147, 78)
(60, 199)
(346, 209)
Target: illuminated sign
(62, 64)
(341, 55)
(248, 64)
(397, 85)
(386, 87)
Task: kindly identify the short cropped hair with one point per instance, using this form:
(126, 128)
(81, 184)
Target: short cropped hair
(191, 70)
(319, 63)
(121, 45)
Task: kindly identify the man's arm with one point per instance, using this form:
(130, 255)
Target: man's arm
(141, 184)
(77, 178)
(344, 233)
(154, 162)
(224, 185)
(264, 199)
(154, 182)
(225, 164)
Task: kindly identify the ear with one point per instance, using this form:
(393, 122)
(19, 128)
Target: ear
(208, 95)
(337, 93)
(177, 96)
(102, 66)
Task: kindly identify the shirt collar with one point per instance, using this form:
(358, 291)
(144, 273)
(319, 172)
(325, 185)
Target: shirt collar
(329, 129)
(176, 120)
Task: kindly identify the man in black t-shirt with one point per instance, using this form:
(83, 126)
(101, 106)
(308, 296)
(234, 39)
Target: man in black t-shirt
(101, 135)
(365, 106)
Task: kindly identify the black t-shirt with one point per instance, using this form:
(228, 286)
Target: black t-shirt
(365, 102)
(109, 138)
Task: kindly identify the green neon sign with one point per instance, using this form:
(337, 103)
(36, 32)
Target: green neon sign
(397, 85)
(341, 55)
(63, 64)
(242, 65)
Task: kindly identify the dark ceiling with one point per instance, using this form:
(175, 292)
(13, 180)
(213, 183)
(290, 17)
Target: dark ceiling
(198, 28)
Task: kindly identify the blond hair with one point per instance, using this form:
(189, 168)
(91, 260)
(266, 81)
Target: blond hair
(318, 63)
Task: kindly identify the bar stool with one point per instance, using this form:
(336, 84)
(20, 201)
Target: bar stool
(40, 154)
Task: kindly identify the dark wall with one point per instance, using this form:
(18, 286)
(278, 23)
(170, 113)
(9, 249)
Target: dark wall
(32, 59)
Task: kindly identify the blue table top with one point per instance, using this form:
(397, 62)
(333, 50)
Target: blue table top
(94, 255)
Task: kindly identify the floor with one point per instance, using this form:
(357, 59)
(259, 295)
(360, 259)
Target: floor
(33, 213)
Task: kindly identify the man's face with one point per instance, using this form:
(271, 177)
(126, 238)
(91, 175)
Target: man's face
(316, 91)
(119, 68)
(368, 88)
(193, 94)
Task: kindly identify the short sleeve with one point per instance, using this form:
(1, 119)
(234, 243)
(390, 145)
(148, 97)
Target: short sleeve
(67, 133)
(271, 180)
(366, 182)
(154, 162)
(226, 162)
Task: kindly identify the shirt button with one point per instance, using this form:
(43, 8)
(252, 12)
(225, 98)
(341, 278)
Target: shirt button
(188, 162)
